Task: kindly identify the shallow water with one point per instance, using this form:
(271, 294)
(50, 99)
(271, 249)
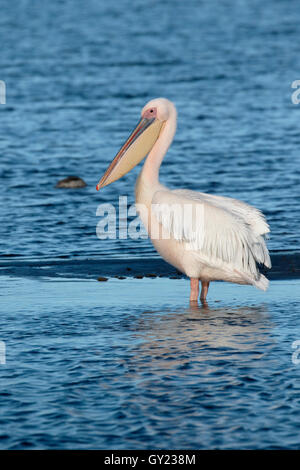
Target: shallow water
(88, 369)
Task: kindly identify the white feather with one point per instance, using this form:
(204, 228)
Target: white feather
(222, 229)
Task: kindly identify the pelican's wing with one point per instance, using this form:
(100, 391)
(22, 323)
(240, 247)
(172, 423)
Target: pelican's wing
(221, 232)
(252, 216)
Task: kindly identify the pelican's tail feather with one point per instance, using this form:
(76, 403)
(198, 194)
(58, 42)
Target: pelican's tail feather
(262, 282)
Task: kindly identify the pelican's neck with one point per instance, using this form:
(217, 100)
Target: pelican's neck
(150, 170)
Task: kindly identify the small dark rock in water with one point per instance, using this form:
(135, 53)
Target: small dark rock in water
(120, 277)
(71, 182)
(150, 275)
(102, 279)
(138, 276)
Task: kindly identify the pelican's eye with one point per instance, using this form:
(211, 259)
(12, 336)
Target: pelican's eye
(150, 113)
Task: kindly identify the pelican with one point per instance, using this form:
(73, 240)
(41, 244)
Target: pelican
(206, 237)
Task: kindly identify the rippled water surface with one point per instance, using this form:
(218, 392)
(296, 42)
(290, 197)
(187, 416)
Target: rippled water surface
(89, 369)
(126, 363)
(77, 77)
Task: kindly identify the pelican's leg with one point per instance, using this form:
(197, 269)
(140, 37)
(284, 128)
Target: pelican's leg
(194, 289)
(204, 290)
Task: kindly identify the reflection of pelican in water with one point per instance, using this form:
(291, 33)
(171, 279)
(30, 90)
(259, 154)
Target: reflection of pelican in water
(171, 339)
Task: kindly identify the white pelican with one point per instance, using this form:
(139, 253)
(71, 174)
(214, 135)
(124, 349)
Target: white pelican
(207, 237)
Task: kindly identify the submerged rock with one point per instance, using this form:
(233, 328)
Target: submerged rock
(71, 182)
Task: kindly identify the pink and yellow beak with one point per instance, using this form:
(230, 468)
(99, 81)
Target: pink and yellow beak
(136, 147)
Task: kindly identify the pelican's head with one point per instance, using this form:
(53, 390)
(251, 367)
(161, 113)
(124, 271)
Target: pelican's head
(140, 141)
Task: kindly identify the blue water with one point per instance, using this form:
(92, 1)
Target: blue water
(77, 77)
(83, 369)
(87, 368)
